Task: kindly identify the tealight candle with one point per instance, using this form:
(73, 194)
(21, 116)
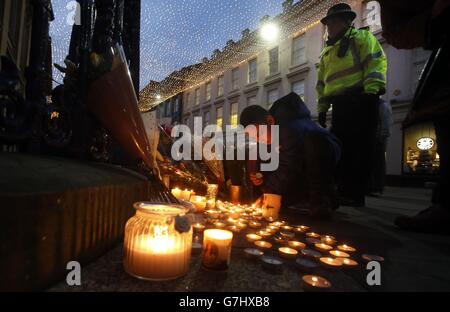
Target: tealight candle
(287, 252)
(301, 229)
(331, 262)
(185, 195)
(323, 247)
(253, 253)
(233, 228)
(253, 237)
(339, 254)
(219, 225)
(176, 192)
(296, 245)
(315, 283)
(241, 225)
(313, 235)
(264, 233)
(199, 203)
(254, 224)
(272, 228)
(271, 263)
(280, 240)
(233, 214)
(232, 221)
(309, 253)
(287, 228)
(346, 248)
(306, 265)
(329, 240)
(214, 214)
(349, 262)
(210, 203)
(198, 227)
(263, 245)
(217, 249)
(277, 223)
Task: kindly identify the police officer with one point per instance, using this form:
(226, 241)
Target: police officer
(351, 78)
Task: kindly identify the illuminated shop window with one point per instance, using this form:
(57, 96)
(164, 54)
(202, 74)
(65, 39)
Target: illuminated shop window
(420, 150)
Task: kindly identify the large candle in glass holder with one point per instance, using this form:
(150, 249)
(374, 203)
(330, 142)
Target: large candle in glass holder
(211, 191)
(185, 195)
(176, 192)
(217, 249)
(271, 206)
(199, 203)
(235, 194)
(153, 248)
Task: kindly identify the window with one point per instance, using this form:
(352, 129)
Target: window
(371, 15)
(177, 105)
(252, 71)
(220, 86)
(219, 118)
(197, 97)
(419, 57)
(272, 96)
(206, 118)
(168, 107)
(251, 101)
(298, 50)
(234, 115)
(235, 79)
(188, 100)
(299, 88)
(208, 91)
(273, 61)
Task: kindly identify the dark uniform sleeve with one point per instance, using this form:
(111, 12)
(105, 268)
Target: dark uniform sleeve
(278, 181)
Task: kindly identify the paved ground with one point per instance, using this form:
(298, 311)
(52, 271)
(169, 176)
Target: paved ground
(414, 262)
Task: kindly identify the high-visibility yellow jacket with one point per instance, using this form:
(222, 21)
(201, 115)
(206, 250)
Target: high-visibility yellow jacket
(363, 67)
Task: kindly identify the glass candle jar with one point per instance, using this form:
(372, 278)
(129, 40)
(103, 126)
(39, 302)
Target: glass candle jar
(158, 242)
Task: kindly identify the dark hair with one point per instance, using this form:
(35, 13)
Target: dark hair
(253, 115)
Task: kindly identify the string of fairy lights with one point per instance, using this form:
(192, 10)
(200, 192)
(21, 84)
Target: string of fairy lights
(291, 23)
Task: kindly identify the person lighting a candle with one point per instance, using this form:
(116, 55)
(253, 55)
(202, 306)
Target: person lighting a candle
(308, 155)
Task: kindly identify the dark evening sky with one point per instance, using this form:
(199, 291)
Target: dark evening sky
(176, 33)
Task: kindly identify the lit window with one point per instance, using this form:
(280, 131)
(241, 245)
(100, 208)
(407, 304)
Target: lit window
(234, 115)
(219, 118)
(220, 86)
(298, 50)
(273, 61)
(235, 79)
(252, 70)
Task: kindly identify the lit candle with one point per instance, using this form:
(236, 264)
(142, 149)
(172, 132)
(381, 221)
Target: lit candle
(350, 263)
(217, 249)
(263, 245)
(199, 203)
(219, 225)
(301, 229)
(339, 254)
(159, 257)
(280, 240)
(329, 240)
(235, 193)
(185, 195)
(198, 227)
(214, 214)
(253, 237)
(233, 228)
(287, 228)
(323, 247)
(313, 235)
(241, 225)
(346, 248)
(331, 262)
(288, 235)
(296, 245)
(288, 253)
(210, 204)
(264, 233)
(254, 224)
(176, 192)
(272, 228)
(232, 221)
(315, 283)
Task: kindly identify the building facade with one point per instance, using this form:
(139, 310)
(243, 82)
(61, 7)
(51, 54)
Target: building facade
(290, 64)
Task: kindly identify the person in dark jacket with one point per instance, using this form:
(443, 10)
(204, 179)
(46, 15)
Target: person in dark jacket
(308, 155)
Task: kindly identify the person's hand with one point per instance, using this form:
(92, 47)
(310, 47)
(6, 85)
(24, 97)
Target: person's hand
(257, 179)
(258, 202)
(323, 119)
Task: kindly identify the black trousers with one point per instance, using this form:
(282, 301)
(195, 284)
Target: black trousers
(354, 122)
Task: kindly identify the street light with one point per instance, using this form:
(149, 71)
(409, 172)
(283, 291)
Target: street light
(269, 32)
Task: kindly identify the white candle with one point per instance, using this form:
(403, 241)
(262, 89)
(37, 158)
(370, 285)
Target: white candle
(176, 192)
(159, 257)
(185, 195)
(217, 249)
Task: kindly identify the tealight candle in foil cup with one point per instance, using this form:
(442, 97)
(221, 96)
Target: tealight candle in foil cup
(271, 263)
(313, 235)
(327, 239)
(287, 235)
(263, 245)
(323, 247)
(253, 253)
(287, 252)
(296, 245)
(312, 241)
(306, 265)
(312, 254)
(253, 237)
(331, 263)
(339, 254)
(315, 283)
(301, 229)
